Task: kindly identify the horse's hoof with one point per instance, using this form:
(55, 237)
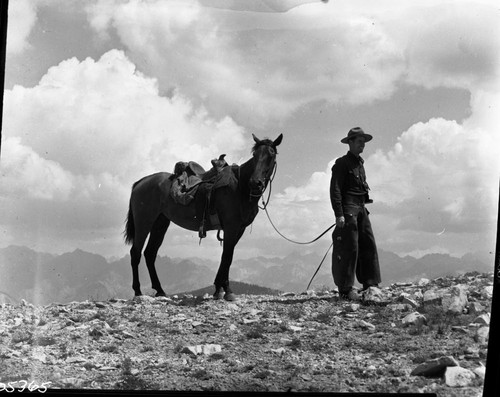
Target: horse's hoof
(158, 294)
(218, 295)
(230, 297)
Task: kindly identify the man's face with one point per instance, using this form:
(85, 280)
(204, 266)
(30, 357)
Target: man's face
(357, 145)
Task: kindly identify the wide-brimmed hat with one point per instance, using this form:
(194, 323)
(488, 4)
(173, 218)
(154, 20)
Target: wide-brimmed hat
(354, 133)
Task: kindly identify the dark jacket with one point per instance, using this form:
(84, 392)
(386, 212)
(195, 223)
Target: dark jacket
(348, 178)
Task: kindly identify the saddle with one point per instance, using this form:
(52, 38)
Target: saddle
(189, 175)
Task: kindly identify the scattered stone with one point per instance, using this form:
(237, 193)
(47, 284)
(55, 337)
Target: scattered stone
(414, 318)
(373, 295)
(434, 367)
(144, 299)
(423, 282)
(455, 299)
(487, 292)
(39, 355)
(353, 307)
(294, 328)
(366, 325)
(483, 319)
(398, 307)
(476, 308)
(279, 350)
(458, 377)
(482, 335)
(432, 296)
(410, 302)
(202, 349)
(480, 371)
(137, 340)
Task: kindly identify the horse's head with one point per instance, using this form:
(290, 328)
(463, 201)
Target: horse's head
(264, 158)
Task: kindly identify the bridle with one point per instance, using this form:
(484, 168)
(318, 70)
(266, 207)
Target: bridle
(268, 182)
(270, 174)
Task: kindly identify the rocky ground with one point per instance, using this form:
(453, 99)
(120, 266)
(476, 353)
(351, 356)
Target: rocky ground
(425, 337)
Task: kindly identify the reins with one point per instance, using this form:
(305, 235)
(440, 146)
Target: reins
(264, 207)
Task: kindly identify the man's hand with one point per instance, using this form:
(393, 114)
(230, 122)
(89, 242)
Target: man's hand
(340, 221)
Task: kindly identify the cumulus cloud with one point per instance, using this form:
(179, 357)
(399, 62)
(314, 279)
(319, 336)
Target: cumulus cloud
(232, 66)
(104, 116)
(88, 130)
(29, 175)
(439, 176)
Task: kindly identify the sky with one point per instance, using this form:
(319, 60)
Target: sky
(99, 93)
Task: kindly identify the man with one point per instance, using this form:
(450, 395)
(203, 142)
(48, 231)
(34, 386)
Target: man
(354, 249)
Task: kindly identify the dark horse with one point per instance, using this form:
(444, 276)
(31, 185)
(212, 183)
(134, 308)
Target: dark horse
(152, 209)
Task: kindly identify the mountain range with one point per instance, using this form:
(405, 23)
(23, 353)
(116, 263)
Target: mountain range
(43, 278)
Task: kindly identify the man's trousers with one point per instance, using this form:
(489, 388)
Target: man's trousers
(354, 250)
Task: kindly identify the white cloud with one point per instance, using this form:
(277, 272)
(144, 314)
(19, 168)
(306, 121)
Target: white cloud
(459, 46)
(254, 63)
(22, 19)
(87, 131)
(233, 66)
(29, 175)
(104, 116)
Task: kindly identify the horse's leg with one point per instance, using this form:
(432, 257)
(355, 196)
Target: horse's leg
(135, 258)
(231, 238)
(155, 239)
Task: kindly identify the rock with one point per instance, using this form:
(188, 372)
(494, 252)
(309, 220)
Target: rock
(452, 299)
(458, 377)
(353, 307)
(432, 296)
(202, 349)
(144, 299)
(398, 307)
(408, 301)
(279, 350)
(483, 319)
(294, 328)
(487, 292)
(480, 371)
(365, 325)
(423, 281)
(475, 308)
(455, 299)
(373, 294)
(434, 367)
(482, 335)
(414, 318)
(38, 354)
(75, 359)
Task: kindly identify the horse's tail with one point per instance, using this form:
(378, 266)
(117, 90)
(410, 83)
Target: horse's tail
(129, 232)
(129, 227)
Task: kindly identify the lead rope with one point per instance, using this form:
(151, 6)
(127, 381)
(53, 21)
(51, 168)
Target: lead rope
(264, 207)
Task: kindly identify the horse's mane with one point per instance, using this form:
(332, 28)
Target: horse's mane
(264, 142)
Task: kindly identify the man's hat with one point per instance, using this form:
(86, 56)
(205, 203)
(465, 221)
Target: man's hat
(354, 133)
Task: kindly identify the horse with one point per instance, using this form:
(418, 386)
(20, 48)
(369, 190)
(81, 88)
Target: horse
(152, 209)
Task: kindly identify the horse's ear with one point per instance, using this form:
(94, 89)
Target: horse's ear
(257, 140)
(278, 140)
